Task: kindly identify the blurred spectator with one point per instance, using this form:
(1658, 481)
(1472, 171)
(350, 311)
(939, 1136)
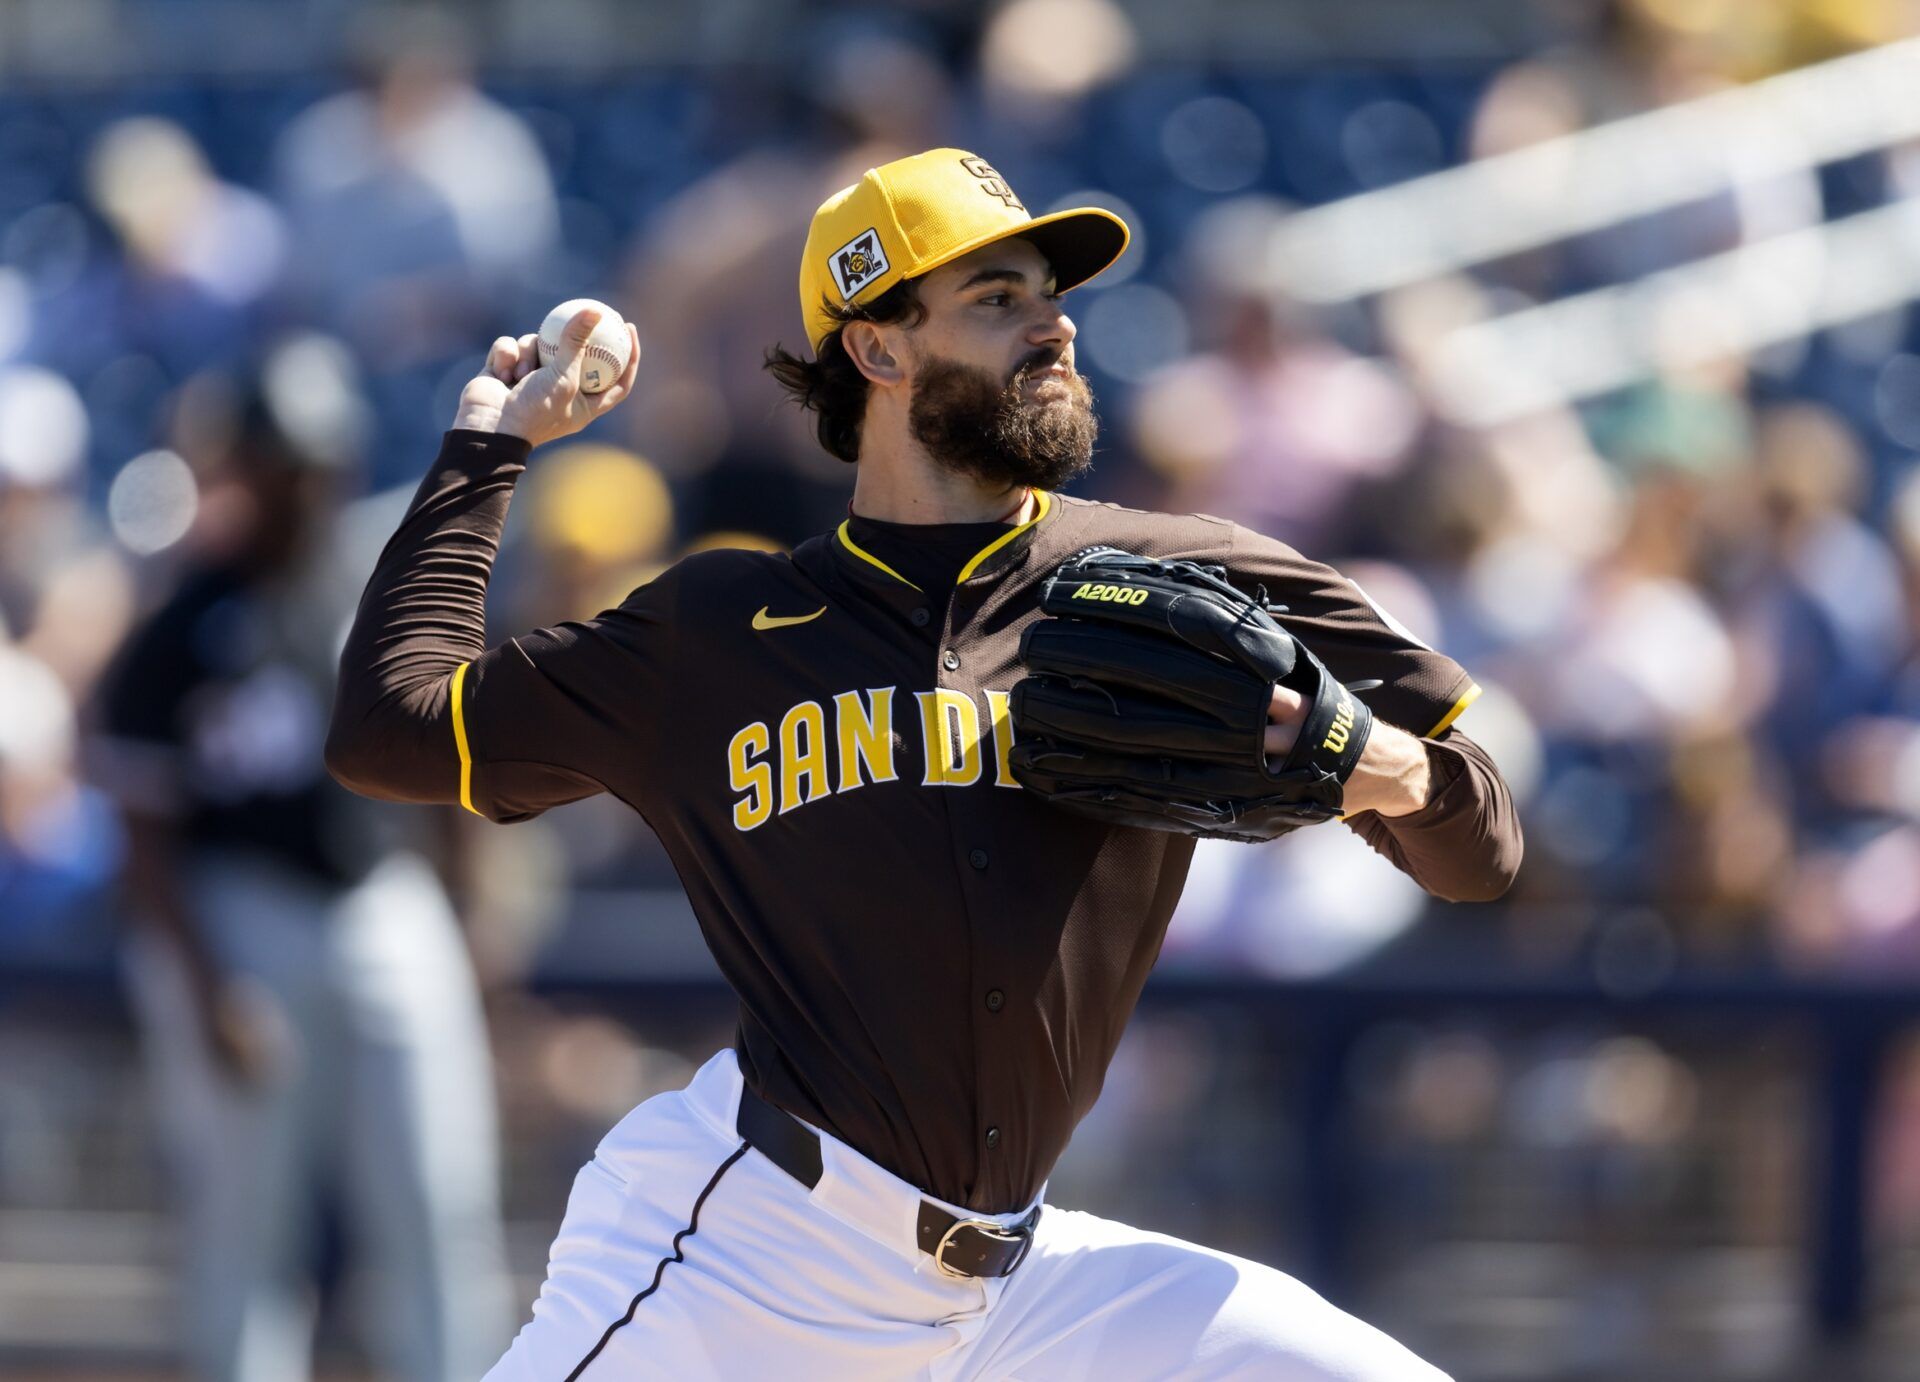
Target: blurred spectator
(59, 838)
(414, 169)
(1817, 594)
(418, 205)
(1646, 54)
(200, 254)
(1872, 762)
(599, 520)
(45, 520)
(310, 1016)
(711, 278)
(1040, 58)
(1273, 421)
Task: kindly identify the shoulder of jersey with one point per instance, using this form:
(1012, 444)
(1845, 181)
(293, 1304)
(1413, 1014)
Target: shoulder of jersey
(716, 573)
(1087, 521)
(729, 586)
(720, 565)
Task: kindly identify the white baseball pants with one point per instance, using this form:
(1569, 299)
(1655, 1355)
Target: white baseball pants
(685, 1254)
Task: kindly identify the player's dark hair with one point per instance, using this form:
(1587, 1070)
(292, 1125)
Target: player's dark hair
(830, 384)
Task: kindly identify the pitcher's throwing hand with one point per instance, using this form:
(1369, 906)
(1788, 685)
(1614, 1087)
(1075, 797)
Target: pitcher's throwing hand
(516, 395)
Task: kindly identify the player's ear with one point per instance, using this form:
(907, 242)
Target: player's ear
(873, 352)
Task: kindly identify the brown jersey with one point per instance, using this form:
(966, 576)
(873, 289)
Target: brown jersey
(931, 962)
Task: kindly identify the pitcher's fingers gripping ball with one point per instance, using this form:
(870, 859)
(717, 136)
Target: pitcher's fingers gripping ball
(536, 390)
(607, 352)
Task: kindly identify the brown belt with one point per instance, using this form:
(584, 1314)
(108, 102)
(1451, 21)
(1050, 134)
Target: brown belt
(958, 1247)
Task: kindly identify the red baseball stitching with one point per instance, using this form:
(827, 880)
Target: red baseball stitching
(553, 348)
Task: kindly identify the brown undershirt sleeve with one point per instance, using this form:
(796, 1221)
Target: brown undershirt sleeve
(423, 615)
(1464, 845)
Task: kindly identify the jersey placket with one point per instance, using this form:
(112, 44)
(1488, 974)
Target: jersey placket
(968, 661)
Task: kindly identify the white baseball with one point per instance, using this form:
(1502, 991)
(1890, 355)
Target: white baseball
(608, 349)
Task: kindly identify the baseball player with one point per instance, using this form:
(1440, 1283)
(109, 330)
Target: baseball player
(934, 962)
(309, 1013)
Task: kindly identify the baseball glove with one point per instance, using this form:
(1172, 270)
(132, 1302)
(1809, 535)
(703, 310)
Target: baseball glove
(1147, 697)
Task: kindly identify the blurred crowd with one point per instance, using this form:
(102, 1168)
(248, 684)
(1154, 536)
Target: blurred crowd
(1694, 604)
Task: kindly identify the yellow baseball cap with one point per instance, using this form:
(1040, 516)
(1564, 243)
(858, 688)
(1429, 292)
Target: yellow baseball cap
(910, 216)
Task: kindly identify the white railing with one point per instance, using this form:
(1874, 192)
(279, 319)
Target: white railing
(1599, 177)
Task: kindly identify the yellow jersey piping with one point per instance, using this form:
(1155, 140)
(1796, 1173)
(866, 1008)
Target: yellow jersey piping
(867, 556)
(1042, 502)
(460, 736)
(1467, 698)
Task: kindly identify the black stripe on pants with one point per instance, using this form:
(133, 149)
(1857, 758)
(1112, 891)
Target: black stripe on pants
(693, 1227)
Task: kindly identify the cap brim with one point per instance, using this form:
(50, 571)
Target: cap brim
(1079, 244)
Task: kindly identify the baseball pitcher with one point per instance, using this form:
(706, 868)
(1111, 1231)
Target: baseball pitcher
(932, 783)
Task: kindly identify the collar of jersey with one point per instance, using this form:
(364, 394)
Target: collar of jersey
(989, 560)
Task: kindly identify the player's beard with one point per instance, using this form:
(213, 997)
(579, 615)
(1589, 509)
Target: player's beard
(998, 433)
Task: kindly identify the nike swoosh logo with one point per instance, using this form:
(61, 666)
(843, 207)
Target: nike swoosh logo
(764, 621)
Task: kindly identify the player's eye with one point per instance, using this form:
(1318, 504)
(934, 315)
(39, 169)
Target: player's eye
(994, 300)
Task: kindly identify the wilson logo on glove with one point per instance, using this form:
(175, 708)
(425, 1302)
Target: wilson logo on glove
(1342, 725)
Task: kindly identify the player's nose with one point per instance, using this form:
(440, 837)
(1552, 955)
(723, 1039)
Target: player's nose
(1053, 327)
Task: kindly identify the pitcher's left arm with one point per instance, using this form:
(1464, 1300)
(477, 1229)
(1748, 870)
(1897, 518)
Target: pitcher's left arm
(1456, 833)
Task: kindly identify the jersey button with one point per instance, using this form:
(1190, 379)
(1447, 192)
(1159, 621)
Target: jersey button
(919, 618)
(978, 858)
(951, 661)
(996, 1000)
(993, 1138)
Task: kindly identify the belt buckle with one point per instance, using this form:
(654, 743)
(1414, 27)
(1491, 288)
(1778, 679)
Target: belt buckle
(1023, 1236)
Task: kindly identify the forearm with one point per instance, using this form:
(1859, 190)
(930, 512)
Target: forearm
(1463, 841)
(1394, 776)
(423, 614)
